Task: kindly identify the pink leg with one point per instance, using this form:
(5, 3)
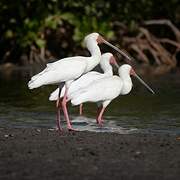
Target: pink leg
(80, 109)
(99, 116)
(58, 120)
(64, 101)
(58, 102)
(98, 112)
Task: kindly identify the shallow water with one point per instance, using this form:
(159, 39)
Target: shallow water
(139, 111)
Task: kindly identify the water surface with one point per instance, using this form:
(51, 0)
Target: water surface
(139, 111)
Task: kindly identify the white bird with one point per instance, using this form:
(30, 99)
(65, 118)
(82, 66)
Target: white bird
(66, 70)
(105, 63)
(105, 90)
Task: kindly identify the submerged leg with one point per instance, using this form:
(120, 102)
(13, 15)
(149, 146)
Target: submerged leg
(58, 121)
(99, 115)
(99, 106)
(58, 106)
(64, 102)
(98, 112)
(80, 109)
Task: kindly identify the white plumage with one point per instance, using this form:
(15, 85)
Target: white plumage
(69, 69)
(60, 71)
(102, 90)
(106, 89)
(86, 79)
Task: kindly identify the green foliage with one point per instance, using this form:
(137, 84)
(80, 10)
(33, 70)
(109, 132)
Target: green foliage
(24, 23)
(87, 24)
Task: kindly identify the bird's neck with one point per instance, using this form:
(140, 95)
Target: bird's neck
(127, 84)
(107, 68)
(95, 55)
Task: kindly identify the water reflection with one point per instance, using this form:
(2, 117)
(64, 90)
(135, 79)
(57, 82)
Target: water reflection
(138, 112)
(83, 123)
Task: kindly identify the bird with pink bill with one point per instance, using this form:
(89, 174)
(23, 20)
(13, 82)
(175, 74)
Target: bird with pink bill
(103, 91)
(106, 62)
(65, 71)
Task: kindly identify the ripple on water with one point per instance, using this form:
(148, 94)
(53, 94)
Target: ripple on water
(89, 124)
(135, 113)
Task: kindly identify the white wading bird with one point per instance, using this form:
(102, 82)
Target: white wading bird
(66, 70)
(105, 63)
(105, 90)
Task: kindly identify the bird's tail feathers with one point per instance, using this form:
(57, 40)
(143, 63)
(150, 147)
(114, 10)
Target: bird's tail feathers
(54, 95)
(34, 84)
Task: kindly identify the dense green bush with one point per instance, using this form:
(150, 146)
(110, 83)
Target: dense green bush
(26, 23)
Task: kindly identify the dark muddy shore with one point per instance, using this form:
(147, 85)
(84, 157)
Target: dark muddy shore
(44, 154)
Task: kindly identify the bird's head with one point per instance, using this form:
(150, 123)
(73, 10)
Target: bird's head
(99, 39)
(112, 60)
(93, 36)
(127, 70)
(109, 58)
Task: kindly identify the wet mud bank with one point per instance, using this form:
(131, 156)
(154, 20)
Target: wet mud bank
(44, 154)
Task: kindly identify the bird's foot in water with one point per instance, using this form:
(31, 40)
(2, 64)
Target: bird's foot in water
(72, 129)
(100, 125)
(59, 130)
(100, 122)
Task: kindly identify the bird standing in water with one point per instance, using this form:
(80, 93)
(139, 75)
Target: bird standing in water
(65, 71)
(103, 91)
(107, 59)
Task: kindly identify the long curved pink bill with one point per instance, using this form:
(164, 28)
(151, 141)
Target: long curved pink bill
(135, 75)
(129, 59)
(117, 65)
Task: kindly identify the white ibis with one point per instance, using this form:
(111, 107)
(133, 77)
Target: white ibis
(105, 63)
(105, 90)
(66, 70)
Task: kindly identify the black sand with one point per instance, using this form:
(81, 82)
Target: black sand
(42, 154)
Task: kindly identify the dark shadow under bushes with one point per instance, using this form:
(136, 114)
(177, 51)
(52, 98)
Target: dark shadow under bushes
(36, 31)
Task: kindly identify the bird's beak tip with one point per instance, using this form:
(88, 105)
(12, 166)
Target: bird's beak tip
(149, 88)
